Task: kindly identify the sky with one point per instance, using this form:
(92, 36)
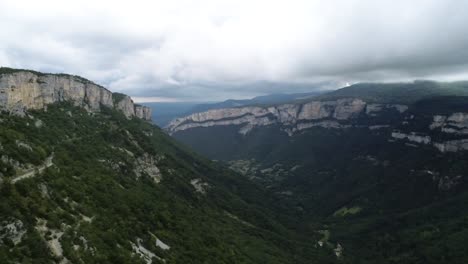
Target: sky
(207, 50)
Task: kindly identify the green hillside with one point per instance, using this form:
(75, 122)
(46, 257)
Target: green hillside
(98, 198)
(383, 201)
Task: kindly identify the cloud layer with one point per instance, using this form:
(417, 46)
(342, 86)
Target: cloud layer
(210, 49)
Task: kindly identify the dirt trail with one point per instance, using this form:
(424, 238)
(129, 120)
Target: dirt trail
(34, 171)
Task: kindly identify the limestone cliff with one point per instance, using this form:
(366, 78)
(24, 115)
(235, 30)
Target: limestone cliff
(447, 133)
(292, 117)
(21, 90)
(143, 112)
(456, 123)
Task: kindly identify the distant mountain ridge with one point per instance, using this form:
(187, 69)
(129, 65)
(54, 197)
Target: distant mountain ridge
(380, 170)
(330, 109)
(398, 93)
(259, 100)
(165, 112)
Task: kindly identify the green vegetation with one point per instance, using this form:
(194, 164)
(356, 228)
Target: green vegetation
(6, 70)
(120, 187)
(94, 196)
(400, 93)
(382, 201)
(117, 97)
(343, 211)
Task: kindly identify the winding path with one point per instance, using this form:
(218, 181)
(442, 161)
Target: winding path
(34, 171)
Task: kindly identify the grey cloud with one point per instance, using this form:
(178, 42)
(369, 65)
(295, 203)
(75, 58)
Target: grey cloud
(218, 91)
(235, 49)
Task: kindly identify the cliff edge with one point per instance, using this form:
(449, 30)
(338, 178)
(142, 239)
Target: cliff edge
(21, 90)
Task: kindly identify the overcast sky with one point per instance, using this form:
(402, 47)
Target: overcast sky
(215, 49)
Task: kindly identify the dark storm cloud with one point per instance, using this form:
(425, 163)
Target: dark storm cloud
(197, 50)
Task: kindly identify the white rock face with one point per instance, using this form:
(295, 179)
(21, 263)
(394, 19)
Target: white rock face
(143, 252)
(147, 164)
(143, 112)
(295, 116)
(12, 229)
(316, 110)
(346, 108)
(446, 146)
(452, 145)
(162, 245)
(456, 123)
(199, 185)
(374, 109)
(413, 137)
(24, 90)
(53, 243)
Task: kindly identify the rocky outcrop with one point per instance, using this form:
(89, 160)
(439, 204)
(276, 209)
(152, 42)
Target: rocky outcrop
(374, 109)
(413, 137)
(444, 146)
(13, 230)
(143, 112)
(23, 90)
(146, 165)
(456, 123)
(452, 145)
(338, 114)
(125, 105)
(340, 109)
(199, 185)
(292, 117)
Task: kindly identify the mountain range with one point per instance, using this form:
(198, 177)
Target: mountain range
(371, 173)
(167, 111)
(377, 168)
(85, 177)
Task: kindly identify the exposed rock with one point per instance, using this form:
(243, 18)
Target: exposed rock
(413, 137)
(24, 90)
(239, 220)
(23, 145)
(162, 245)
(293, 117)
(324, 124)
(316, 110)
(125, 105)
(146, 164)
(438, 121)
(126, 151)
(12, 229)
(199, 185)
(338, 250)
(44, 190)
(243, 166)
(143, 112)
(38, 123)
(376, 127)
(446, 146)
(452, 145)
(143, 252)
(374, 109)
(52, 237)
(456, 123)
(447, 183)
(347, 108)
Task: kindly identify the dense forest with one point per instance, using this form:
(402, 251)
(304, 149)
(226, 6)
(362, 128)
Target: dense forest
(116, 186)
